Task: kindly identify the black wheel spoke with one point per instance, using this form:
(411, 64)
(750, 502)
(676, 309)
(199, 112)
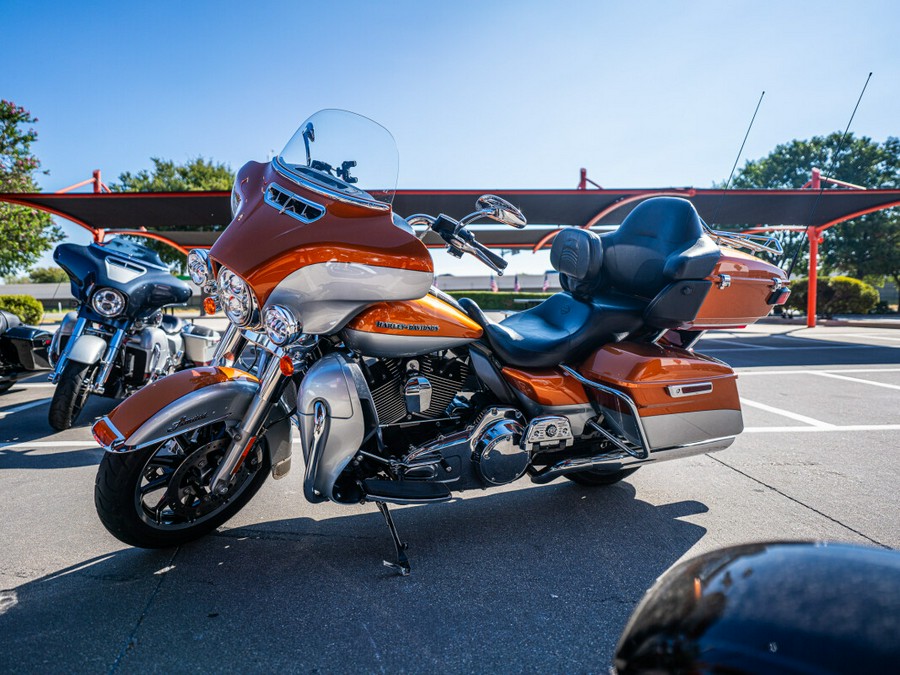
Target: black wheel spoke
(155, 484)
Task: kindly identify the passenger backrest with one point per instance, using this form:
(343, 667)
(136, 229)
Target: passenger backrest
(578, 257)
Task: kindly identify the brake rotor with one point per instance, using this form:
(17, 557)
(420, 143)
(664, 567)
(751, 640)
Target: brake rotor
(188, 490)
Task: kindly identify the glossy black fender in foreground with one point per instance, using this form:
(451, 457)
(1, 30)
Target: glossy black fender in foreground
(770, 608)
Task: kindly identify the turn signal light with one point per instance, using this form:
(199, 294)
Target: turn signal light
(104, 436)
(209, 305)
(286, 363)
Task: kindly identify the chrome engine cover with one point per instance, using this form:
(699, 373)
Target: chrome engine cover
(497, 448)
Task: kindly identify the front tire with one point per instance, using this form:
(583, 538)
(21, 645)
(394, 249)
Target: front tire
(70, 395)
(156, 497)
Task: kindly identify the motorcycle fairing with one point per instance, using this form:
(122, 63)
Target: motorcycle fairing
(268, 247)
(184, 401)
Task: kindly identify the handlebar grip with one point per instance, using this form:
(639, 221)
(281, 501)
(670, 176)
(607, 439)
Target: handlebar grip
(496, 260)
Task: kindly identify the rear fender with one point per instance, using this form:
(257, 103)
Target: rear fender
(185, 401)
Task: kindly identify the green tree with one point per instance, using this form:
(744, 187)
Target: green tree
(166, 176)
(866, 247)
(47, 275)
(25, 233)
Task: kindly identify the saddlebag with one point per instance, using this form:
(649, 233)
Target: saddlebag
(200, 344)
(26, 346)
(673, 398)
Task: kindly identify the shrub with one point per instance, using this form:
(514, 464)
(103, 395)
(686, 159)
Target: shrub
(835, 295)
(488, 300)
(25, 307)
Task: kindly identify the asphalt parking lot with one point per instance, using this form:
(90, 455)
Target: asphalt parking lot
(523, 578)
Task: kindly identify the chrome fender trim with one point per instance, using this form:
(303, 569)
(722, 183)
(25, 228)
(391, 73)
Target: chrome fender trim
(332, 422)
(214, 403)
(87, 349)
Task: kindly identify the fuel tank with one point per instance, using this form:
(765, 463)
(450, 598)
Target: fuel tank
(409, 328)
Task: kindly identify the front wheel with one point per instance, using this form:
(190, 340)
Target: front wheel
(594, 478)
(158, 497)
(70, 395)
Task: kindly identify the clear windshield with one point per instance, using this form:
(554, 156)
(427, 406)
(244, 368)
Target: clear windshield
(346, 155)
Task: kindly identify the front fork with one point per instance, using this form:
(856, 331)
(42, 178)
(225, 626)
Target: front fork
(271, 381)
(246, 433)
(80, 325)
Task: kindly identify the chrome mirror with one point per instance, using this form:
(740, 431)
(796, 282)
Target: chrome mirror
(497, 208)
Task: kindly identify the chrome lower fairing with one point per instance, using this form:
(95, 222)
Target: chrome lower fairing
(333, 421)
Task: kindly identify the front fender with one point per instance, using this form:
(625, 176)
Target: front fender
(87, 349)
(188, 400)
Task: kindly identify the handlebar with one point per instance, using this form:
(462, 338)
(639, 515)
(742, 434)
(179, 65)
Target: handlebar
(460, 240)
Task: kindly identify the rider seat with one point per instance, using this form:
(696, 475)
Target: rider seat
(612, 286)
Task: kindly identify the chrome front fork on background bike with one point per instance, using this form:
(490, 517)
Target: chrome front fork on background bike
(77, 331)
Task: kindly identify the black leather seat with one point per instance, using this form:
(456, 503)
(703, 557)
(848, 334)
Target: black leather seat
(608, 284)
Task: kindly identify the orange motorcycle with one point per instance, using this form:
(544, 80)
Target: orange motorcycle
(401, 394)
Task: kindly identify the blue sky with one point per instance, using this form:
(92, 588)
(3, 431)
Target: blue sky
(478, 94)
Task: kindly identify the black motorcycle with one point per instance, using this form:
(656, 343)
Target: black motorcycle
(23, 349)
(119, 339)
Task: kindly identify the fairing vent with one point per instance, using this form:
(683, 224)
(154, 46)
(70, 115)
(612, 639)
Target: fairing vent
(288, 203)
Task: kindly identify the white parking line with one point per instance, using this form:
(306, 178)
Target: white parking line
(32, 385)
(852, 427)
(786, 413)
(796, 349)
(50, 444)
(26, 406)
(730, 341)
(807, 371)
(857, 379)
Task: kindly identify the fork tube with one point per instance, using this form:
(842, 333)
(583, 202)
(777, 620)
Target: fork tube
(231, 343)
(109, 359)
(248, 429)
(80, 325)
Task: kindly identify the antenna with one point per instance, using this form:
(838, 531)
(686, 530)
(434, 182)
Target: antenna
(826, 176)
(737, 159)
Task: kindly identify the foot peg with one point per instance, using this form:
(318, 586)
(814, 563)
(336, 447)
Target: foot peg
(402, 564)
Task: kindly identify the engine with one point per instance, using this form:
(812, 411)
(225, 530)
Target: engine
(422, 387)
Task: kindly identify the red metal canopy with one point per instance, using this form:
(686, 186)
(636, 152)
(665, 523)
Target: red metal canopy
(189, 219)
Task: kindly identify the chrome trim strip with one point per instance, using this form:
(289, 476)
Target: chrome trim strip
(275, 187)
(623, 397)
(692, 389)
(325, 192)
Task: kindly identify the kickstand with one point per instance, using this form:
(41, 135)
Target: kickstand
(402, 564)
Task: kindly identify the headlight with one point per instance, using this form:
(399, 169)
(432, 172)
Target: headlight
(108, 302)
(282, 326)
(235, 200)
(236, 298)
(200, 269)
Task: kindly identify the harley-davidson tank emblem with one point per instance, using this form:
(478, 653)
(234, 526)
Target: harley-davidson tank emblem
(425, 328)
(185, 420)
